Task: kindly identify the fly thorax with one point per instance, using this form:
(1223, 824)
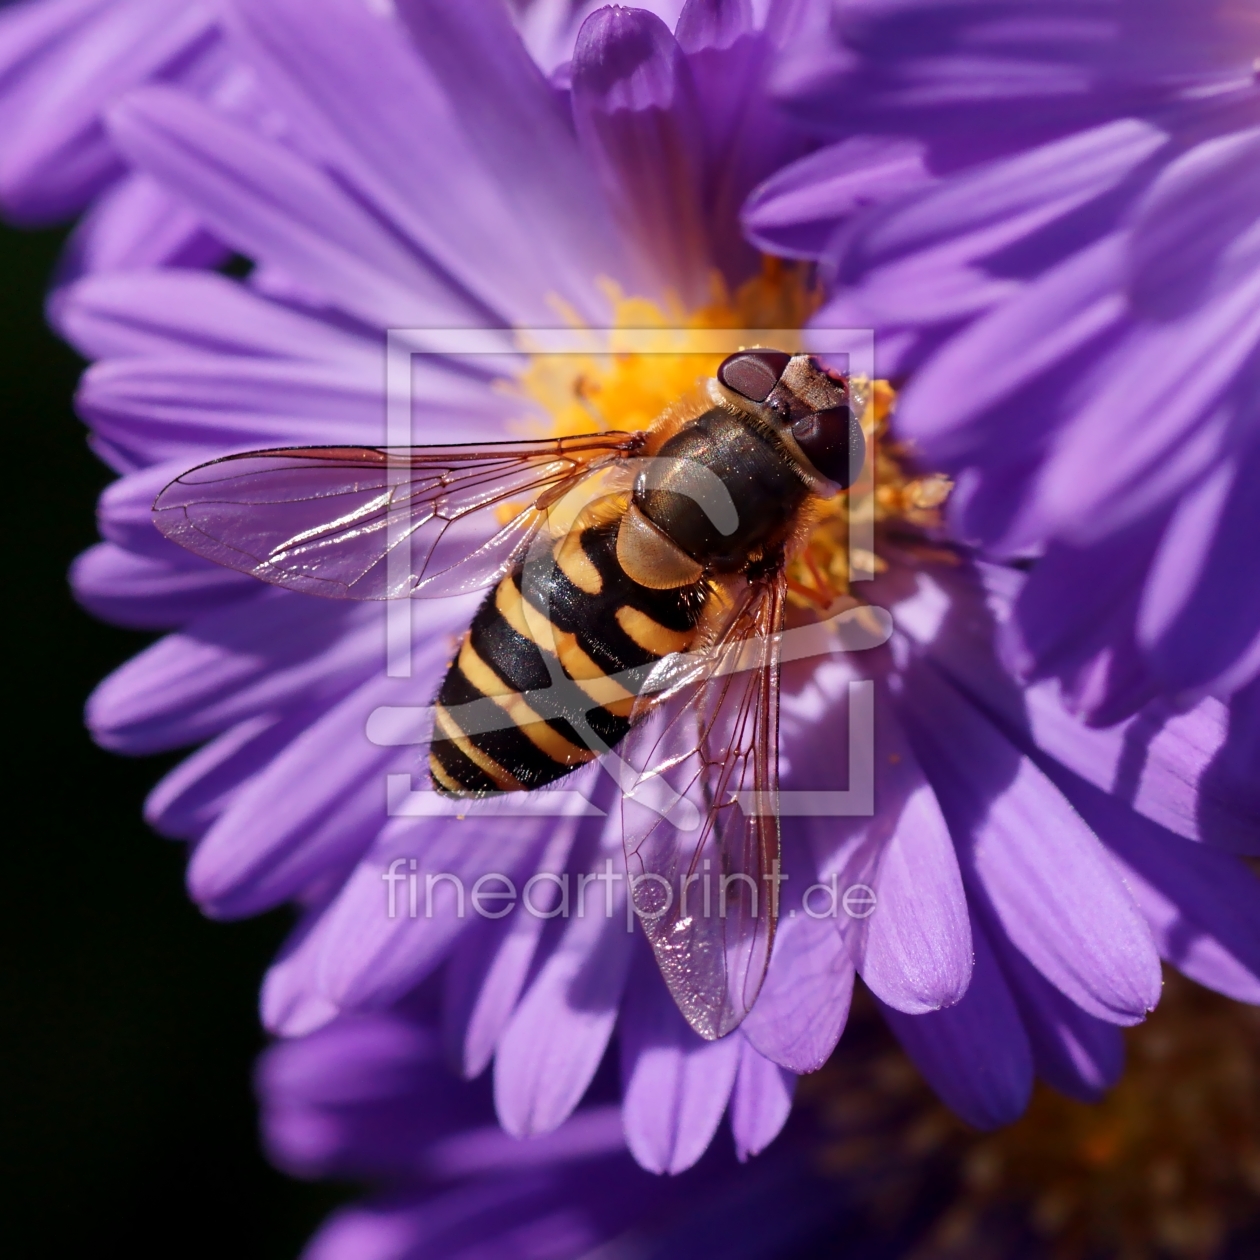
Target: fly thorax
(720, 492)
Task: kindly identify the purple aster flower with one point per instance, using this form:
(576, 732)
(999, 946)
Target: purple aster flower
(1067, 284)
(63, 63)
(368, 1098)
(1027, 871)
(365, 1099)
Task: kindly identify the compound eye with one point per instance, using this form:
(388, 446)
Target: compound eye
(833, 442)
(753, 373)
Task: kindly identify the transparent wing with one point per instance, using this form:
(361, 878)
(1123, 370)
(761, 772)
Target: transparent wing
(364, 522)
(700, 814)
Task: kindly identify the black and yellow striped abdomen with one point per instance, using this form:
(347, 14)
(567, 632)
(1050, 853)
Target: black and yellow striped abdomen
(544, 649)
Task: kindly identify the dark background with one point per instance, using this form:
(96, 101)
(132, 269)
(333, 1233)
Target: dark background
(127, 1124)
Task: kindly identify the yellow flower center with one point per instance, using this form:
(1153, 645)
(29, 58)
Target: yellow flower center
(613, 386)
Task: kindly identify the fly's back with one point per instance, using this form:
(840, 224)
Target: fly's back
(559, 649)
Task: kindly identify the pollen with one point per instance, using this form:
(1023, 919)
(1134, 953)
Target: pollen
(902, 506)
(612, 387)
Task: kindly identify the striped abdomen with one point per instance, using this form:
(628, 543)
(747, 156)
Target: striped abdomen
(559, 633)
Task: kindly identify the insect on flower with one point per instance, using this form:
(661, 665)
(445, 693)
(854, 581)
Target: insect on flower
(639, 590)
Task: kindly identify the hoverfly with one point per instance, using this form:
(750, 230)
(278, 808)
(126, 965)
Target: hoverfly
(643, 628)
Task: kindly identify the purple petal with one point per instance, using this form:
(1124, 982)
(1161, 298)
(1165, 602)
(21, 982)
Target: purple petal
(314, 807)
(975, 1055)
(1188, 221)
(392, 1229)
(1087, 638)
(922, 289)
(187, 407)
(977, 213)
(61, 64)
(1158, 399)
(796, 210)
(746, 136)
(924, 68)
(268, 203)
(1018, 343)
(186, 802)
(1234, 763)
(1203, 906)
(367, 1096)
(144, 593)
(583, 1138)
(487, 974)
(154, 312)
(675, 1085)
(368, 130)
(275, 648)
(289, 1004)
(1079, 1055)
(1200, 614)
(914, 951)
(124, 514)
(357, 956)
(138, 224)
(482, 984)
(178, 409)
(525, 1215)
(513, 121)
(1160, 761)
(362, 1097)
(169, 409)
(637, 119)
(556, 1038)
(760, 1102)
(963, 70)
(1027, 853)
(708, 24)
(804, 1003)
